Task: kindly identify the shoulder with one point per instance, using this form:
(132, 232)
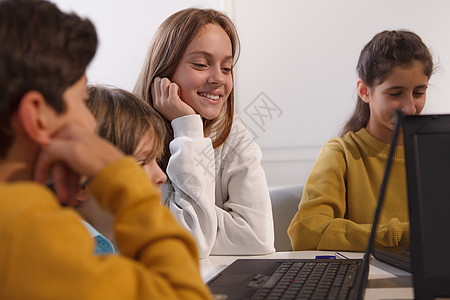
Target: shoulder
(30, 205)
(240, 144)
(339, 150)
(349, 142)
(337, 144)
(240, 140)
(24, 194)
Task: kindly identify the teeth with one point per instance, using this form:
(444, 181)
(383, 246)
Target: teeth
(209, 96)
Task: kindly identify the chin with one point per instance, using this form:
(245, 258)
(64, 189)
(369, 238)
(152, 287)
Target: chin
(210, 115)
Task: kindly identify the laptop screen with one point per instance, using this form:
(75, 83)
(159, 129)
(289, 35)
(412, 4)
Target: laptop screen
(433, 171)
(427, 150)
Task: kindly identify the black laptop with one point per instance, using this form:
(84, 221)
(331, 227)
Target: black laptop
(427, 153)
(301, 278)
(399, 257)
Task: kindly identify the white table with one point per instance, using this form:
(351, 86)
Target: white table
(385, 281)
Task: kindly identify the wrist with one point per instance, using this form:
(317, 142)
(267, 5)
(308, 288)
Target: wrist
(103, 162)
(189, 125)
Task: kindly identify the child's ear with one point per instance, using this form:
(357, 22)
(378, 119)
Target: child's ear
(35, 117)
(363, 91)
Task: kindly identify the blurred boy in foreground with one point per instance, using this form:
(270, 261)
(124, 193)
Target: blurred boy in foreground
(46, 130)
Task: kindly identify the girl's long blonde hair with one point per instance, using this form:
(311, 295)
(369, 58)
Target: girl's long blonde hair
(165, 52)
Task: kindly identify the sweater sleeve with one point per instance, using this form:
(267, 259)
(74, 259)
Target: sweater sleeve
(322, 221)
(240, 224)
(54, 256)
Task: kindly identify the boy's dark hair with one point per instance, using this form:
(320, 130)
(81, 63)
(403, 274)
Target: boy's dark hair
(41, 49)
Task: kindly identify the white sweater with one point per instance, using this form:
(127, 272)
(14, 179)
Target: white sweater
(219, 195)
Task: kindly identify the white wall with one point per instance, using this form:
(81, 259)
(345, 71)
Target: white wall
(295, 80)
(125, 29)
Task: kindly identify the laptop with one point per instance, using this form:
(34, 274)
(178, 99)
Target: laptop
(399, 257)
(427, 154)
(301, 278)
(427, 148)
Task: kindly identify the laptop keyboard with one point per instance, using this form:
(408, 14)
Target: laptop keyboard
(310, 280)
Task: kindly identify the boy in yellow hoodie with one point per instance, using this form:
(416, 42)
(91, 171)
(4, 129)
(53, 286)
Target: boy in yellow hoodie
(47, 131)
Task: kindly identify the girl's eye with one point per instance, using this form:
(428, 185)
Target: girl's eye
(394, 93)
(226, 70)
(199, 65)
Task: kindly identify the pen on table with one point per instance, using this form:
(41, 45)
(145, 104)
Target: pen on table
(340, 256)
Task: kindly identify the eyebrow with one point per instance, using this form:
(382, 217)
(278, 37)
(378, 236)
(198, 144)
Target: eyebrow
(402, 87)
(152, 153)
(145, 153)
(207, 54)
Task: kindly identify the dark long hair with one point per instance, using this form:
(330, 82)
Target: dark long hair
(387, 49)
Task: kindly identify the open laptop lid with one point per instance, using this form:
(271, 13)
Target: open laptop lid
(376, 218)
(427, 152)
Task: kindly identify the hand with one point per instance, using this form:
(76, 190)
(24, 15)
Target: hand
(166, 99)
(73, 152)
(65, 183)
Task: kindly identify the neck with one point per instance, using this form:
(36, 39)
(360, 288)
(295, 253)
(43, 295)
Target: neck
(385, 135)
(14, 171)
(18, 164)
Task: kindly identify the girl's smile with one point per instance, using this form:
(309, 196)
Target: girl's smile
(204, 72)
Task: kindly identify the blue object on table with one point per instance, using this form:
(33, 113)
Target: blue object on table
(325, 257)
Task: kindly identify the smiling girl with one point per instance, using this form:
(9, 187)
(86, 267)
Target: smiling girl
(216, 187)
(340, 195)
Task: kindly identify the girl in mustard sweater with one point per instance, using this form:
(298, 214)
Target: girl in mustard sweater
(341, 193)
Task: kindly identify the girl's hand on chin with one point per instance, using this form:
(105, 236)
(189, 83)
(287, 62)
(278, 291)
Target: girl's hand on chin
(166, 99)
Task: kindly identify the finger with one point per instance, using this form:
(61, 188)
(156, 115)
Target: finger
(59, 178)
(42, 167)
(156, 90)
(174, 91)
(165, 84)
(73, 150)
(66, 184)
(47, 156)
(73, 187)
(159, 99)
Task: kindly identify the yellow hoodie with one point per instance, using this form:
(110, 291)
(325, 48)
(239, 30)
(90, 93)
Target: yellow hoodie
(46, 252)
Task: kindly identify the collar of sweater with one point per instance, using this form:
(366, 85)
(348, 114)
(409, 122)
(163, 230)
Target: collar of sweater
(379, 146)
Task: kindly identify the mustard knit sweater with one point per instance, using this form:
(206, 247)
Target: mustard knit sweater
(341, 193)
(46, 252)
